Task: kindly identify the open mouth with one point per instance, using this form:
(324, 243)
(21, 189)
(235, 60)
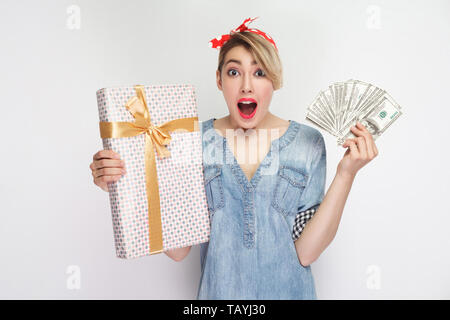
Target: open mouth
(247, 109)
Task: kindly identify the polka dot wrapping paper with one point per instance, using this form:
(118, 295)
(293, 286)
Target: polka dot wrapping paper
(184, 210)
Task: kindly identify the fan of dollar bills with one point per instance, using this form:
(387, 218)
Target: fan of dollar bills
(338, 108)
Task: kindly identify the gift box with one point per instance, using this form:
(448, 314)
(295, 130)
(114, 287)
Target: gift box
(160, 203)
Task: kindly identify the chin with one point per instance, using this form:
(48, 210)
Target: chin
(247, 123)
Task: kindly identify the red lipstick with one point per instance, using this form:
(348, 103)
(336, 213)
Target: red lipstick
(247, 107)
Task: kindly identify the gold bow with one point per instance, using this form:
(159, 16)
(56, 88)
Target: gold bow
(156, 137)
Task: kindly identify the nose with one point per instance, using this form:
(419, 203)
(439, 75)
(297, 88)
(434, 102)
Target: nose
(247, 85)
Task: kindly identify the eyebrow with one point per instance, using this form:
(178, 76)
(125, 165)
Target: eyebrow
(238, 62)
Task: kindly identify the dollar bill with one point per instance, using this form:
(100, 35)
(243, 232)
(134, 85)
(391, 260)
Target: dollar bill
(329, 100)
(317, 118)
(319, 114)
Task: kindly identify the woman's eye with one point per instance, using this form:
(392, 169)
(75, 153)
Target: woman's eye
(229, 71)
(262, 74)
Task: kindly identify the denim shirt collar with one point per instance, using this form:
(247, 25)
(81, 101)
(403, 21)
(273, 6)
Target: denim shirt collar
(280, 142)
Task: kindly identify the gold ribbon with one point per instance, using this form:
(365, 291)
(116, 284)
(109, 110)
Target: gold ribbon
(156, 137)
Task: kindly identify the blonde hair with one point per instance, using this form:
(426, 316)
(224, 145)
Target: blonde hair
(262, 51)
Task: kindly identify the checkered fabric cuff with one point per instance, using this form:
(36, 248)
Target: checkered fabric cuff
(300, 221)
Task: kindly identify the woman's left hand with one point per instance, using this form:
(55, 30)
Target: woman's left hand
(361, 150)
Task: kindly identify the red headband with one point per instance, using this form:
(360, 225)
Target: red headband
(219, 42)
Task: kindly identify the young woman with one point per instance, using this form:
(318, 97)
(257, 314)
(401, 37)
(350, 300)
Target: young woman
(263, 195)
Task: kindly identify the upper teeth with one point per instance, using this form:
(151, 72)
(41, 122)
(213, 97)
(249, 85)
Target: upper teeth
(247, 102)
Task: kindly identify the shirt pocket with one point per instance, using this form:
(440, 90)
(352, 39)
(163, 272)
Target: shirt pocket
(288, 190)
(214, 187)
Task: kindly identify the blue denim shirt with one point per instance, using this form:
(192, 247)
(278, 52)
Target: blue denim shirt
(250, 254)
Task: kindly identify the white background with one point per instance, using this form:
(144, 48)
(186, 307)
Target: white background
(393, 240)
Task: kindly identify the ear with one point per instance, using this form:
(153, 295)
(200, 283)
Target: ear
(218, 80)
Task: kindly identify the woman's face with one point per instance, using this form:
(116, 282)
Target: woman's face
(242, 78)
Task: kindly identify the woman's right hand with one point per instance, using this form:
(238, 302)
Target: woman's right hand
(107, 167)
